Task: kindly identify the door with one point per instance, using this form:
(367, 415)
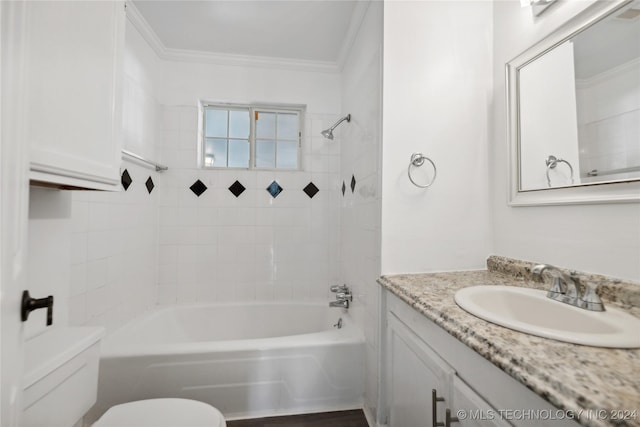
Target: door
(414, 372)
(14, 191)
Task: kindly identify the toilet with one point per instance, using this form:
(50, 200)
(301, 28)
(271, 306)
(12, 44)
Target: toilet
(61, 385)
(162, 413)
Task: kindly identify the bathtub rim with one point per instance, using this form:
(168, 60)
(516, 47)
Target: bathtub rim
(349, 334)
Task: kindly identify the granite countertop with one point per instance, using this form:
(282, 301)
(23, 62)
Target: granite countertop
(571, 377)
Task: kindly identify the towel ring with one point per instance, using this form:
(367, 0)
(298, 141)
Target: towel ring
(417, 160)
(552, 162)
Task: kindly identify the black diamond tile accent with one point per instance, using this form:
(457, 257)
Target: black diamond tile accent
(353, 183)
(237, 189)
(126, 180)
(311, 190)
(344, 188)
(198, 188)
(149, 184)
(274, 189)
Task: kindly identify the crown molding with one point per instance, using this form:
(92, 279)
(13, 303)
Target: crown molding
(357, 17)
(608, 74)
(170, 54)
(135, 17)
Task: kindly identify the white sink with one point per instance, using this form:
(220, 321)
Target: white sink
(530, 311)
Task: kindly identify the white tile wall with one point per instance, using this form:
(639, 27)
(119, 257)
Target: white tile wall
(609, 122)
(218, 248)
(360, 148)
(48, 255)
(114, 252)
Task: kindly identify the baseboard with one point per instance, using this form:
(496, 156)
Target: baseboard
(371, 419)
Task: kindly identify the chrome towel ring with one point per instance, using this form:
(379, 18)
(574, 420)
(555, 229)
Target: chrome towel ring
(551, 162)
(417, 160)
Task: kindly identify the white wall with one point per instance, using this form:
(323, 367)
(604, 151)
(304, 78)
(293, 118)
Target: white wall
(593, 238)
(437, 99)
(360, 149)
(184, 83)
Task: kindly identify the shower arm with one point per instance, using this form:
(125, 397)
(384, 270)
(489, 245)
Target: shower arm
(347, 118)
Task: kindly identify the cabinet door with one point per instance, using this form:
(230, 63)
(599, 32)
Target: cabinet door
(414, 371)
(73, 91)
(471, 409)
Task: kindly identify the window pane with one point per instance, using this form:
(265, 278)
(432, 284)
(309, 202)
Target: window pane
(287, 155)
(215, 152)
(265, 154)
(266, 125)
(215, 123)
(287, 126)
(239, 124)
(238, 153)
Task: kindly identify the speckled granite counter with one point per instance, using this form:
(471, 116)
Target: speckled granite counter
(571, 377)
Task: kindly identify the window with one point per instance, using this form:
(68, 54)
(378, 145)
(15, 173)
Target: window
(251, 137)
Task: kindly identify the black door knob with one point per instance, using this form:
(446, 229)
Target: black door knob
(29, 304)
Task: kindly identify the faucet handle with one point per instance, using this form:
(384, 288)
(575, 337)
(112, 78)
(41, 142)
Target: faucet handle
(340, 288)
(557, 287)
(344, 296)
(591, 300)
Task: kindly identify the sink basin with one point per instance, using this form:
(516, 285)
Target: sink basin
(530, 311)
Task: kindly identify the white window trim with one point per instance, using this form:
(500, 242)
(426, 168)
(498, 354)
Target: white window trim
(252, 108)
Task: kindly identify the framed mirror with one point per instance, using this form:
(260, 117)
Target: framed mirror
(574, 111)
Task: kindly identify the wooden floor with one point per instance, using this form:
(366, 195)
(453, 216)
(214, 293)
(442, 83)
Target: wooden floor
(354, 418)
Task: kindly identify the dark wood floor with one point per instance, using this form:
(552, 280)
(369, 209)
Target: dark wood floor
(354, 418)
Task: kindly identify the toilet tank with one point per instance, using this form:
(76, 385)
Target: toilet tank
(61, 376)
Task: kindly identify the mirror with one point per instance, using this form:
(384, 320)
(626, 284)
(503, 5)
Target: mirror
(574, 102)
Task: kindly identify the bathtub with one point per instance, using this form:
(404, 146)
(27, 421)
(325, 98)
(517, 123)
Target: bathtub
(248, 360)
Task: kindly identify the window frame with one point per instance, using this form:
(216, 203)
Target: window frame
(252, 110)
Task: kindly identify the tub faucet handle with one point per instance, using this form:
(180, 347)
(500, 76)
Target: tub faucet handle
(339, 288)
(344, 296)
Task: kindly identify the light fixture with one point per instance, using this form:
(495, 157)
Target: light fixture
(537, 6)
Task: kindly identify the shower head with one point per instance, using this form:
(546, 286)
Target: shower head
(328, 133)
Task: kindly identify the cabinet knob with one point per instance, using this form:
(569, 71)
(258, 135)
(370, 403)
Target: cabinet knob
(434, 409)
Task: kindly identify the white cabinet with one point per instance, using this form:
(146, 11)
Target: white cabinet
(414, 372)
(422, 387)
(421, 357)
(72, 89)
(477, 412)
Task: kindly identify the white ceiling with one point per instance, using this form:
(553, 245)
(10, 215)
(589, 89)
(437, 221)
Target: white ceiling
(316, 31)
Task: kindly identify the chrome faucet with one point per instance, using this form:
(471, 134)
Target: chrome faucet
(566, 288)
(343, 296)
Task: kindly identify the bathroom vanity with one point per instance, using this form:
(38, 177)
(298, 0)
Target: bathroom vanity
(488, 375)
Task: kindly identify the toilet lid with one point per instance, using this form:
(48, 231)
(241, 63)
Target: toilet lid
(162, 413)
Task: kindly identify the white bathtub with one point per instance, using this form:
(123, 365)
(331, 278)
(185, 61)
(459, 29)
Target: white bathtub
(248, 360)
